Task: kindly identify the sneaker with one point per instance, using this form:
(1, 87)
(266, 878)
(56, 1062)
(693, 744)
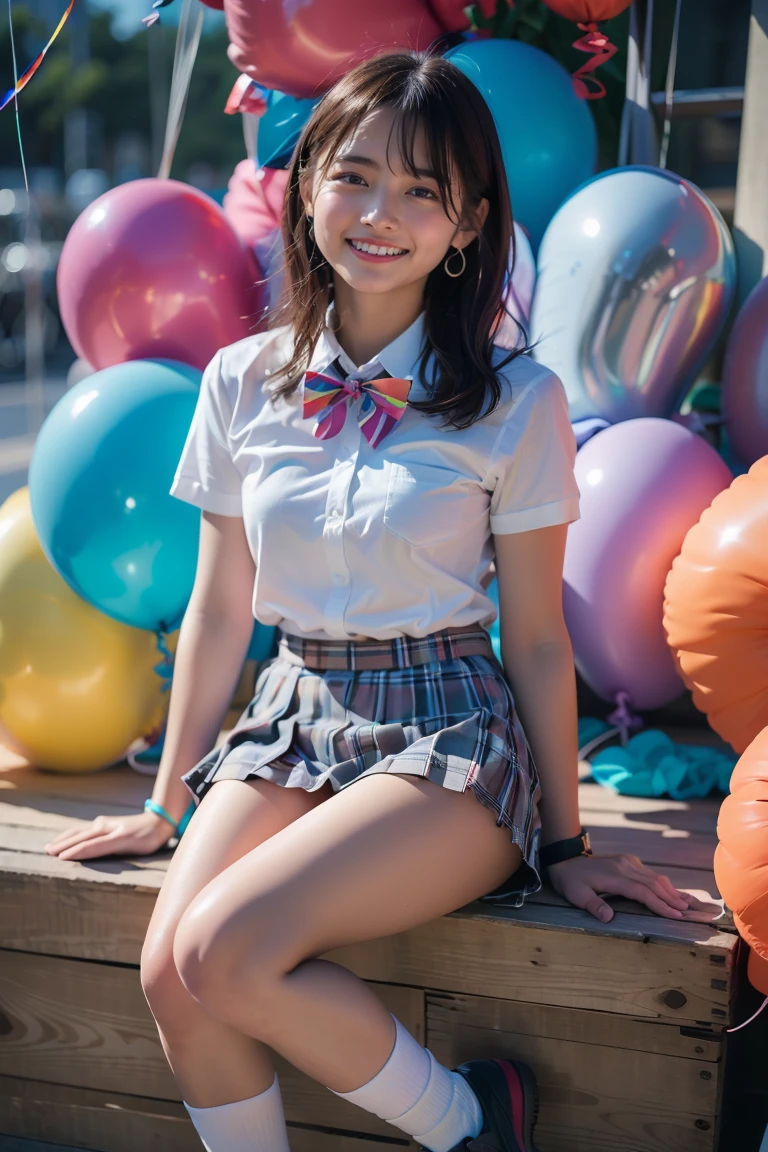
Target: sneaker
(509, 1099)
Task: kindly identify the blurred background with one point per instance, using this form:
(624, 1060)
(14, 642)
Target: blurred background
(94, 117)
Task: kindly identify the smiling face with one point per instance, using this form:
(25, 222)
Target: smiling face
(380, 227)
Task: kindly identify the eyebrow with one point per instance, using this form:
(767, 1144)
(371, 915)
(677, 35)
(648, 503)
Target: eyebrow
(367, 161)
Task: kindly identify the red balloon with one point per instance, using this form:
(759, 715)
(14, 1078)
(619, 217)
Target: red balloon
(741, 856)
(254, 200)
(302, 49)
(587, 11)
(452, 13)
(153, 269)
(217, 4)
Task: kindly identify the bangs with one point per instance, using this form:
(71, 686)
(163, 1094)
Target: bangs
(417, 108)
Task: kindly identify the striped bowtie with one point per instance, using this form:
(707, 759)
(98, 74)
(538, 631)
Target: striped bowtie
(383, 403)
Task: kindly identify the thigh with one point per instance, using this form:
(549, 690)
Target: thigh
(383, 855)
(231, 820)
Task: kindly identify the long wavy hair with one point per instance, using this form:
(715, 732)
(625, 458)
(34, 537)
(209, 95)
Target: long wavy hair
(462, 314)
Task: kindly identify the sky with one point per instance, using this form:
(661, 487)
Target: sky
(127, 15)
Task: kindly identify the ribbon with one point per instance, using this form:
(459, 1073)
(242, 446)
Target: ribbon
(246, 96)
(601, 49)
(29, 72)
(383, 403)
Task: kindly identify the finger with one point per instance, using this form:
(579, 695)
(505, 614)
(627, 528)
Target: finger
(644, 894)
(68, 838)
(96, 846)
(663, 887)
(680, 894)
(582, 896)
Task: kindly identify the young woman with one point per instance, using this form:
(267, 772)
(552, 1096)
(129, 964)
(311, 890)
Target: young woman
(359, 467)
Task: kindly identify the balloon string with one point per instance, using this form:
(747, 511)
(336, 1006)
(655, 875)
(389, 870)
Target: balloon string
(187, 41)
(21, 82)
(601, 49)
(752, 1017)
(669, 90)
(623, 716)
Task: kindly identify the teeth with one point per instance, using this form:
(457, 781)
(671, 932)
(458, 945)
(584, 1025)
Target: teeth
(375, 250)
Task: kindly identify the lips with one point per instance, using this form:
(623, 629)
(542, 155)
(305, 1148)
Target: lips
(372, 256)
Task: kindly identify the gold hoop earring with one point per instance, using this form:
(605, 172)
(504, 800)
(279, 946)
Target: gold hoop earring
(458, 252)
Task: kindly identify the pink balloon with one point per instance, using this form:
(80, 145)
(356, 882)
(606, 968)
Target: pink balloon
(519, 293)
(644, 483)
(745, 378)
(153, 269)
(253, 203)
(302, 47)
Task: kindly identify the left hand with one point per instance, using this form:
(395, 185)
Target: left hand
(581, 879)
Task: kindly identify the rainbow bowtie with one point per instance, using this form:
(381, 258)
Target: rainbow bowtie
(383, 403)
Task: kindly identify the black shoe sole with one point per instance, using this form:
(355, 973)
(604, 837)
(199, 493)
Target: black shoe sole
(509, 1099)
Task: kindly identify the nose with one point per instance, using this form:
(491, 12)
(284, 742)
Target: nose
(380, 211)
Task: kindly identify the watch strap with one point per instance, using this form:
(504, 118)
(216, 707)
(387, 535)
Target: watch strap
(561, 850)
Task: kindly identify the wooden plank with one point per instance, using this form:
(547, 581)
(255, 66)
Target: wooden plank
(637, 975)
(107, 1121)
(19, 1144)
(88, 1025)
(592, 1095)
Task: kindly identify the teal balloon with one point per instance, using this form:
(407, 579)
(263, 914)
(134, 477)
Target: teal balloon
(547, 133)
(280, 128)
(494, 631)
(99, 483)
(263, 642)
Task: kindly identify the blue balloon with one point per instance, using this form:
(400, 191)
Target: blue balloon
(280, 128)
(547, 133)
(263, 642)
(99, 485)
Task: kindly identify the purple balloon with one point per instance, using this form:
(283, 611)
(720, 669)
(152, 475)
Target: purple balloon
(644, 483)
(745, 378)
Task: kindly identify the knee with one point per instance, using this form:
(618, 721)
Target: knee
(222, 970)
(164, 991)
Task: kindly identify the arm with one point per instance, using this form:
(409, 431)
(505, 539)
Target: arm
(538, 663)
(213, 642)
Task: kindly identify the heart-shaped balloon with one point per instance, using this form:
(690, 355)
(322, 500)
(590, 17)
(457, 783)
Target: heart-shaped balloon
(636, 275)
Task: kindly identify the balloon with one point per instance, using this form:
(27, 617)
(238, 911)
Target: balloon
(280, 128)
(745, 378)
(716, 609)
(263, 642)
(643, 484)
(254, 204)
(636, 275)
(741, 856)
(586, 11)
(518, 292)
(303, 48)
(76, 687)
(99, 483)
(547, 134)
(452, 14)
(153, 269)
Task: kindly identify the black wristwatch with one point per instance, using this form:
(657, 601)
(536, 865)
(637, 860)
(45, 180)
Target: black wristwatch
(565, 849)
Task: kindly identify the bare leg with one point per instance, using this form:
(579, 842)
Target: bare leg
(385, 855)
(213, 1062)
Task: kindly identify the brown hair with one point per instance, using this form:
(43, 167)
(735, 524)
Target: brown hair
(462, 313)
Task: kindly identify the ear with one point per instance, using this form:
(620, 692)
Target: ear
(306, 188)
(466, 235)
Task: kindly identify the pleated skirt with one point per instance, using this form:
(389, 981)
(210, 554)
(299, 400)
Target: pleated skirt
(438, 707)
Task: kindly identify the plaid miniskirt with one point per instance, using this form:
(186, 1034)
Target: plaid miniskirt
(437, 707)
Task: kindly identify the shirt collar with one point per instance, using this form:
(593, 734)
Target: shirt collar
(400, 357)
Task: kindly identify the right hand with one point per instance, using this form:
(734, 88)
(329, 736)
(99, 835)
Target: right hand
(135, 835)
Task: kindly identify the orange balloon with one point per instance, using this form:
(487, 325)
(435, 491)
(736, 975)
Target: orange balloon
(716, 609)
(741, 857)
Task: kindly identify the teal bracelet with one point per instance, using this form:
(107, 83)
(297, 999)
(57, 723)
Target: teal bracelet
(180, 828)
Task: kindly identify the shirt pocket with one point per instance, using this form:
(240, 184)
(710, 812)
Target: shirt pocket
(427, 504)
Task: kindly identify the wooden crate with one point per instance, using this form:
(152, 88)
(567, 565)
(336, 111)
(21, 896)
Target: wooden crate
(624, 1023)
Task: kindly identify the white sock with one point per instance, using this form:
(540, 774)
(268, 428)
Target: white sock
(253, 1125)
(421, 1097)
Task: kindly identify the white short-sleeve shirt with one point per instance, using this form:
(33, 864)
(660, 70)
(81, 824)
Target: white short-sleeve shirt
(354, 542)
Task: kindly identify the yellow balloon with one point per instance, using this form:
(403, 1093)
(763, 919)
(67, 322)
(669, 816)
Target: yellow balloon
(77, 688)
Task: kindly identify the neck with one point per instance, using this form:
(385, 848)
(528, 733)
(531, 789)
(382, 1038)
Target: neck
(366, 322)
